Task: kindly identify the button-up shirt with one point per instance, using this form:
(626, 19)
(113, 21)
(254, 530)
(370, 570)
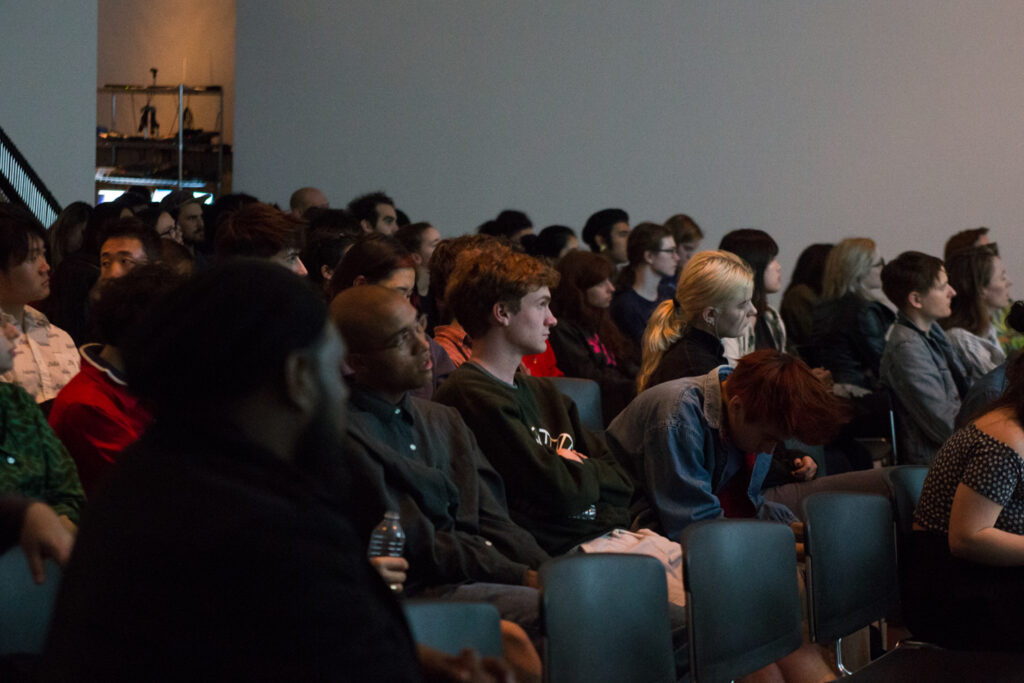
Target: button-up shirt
(45, 356)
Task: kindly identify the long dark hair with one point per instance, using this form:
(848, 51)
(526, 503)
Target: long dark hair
(581, 270)
(970, 271)
(810, 267)
(757, 248)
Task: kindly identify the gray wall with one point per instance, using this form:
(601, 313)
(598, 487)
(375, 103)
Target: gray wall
(894, 119)
(48, 90)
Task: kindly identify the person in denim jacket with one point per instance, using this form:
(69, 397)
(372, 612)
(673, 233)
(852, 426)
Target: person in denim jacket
(919, 364)
(700, 447)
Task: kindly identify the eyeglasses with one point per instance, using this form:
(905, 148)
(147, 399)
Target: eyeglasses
(406, 336)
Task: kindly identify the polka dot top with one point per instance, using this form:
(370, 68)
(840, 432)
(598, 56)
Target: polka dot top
(986, 465)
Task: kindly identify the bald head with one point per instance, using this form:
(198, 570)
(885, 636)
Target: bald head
(388, 349)
(367, 315)
(306, 198)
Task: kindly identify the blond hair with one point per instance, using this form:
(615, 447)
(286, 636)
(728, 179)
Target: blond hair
(710, 278)
(847, 265)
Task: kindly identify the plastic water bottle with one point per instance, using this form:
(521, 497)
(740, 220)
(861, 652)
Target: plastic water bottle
(388, 539)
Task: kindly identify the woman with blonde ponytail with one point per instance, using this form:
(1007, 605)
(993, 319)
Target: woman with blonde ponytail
(712, 302)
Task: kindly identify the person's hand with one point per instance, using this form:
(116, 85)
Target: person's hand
(466, 667)
(804, 468)
(570, 454)
(825, 376)
(44, 536)
(392, 570)
(531, 579)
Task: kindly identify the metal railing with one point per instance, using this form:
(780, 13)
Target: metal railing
(20, 185)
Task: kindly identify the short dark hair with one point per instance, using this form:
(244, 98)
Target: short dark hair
(965, 239)
(757, 248)
(259, 231)
(551, 241)
(909, 272)
(325, 249)
(123, 300)
(133, 228)
(17, 228)
(600, 224)
(364, 207)
(221, 336)
(411, 236)
(373, 256)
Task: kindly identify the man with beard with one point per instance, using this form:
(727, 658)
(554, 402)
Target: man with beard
(420, 458)
(221, 546)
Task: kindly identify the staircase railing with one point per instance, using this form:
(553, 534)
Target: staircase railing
(19, 184)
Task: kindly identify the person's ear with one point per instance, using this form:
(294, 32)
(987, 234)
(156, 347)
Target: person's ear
(358, 362)
(501, 314)
(366, 226)
(417, 259)
(601, 244)
(735, 408)
(302, 387)
(708, 315)
(326, 273)
(649, 256)
(916, 300)
(359, 281)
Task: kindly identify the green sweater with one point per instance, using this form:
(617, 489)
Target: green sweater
(33, 461)
(561, 502)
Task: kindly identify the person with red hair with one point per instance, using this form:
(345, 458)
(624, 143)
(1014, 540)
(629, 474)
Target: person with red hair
(700, 447)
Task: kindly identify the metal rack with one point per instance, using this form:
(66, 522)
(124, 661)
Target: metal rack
(181, 91)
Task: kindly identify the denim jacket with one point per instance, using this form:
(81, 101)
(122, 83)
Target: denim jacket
(670, 440)
(919, 369)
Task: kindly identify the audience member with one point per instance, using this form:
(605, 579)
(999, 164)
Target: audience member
(65, 236)
(982, 293)
(563, 486)
(71, 284)
(35, 462)
(225, 205)
(421, 239)
(382, 260)
(230, 522)
(850, 323)
(684, 335)
(324, 251)
(687, 235)
(45, 355)
(187, 210)
(126, 244)
(306, 198)
(586, 341)
(919, 365)
(965, 239)
(419, 458)
(607, 232)
(802, 295)
(759, 250)
(375, 212)
(964, 565)
(161, 222)
(261, 231)
(554, 242)
(652, 258)
(96, 416)
(510, 224)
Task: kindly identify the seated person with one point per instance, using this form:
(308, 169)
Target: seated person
(965, 570)
(700, 447)
(919, 365)
(222, 546)
(377, 259)
(126, 243)
(767, 330)
(306, 198)
(45, 357)
(261, 231)
(850, 322)
(33, 461)
(585, 340)
(652, 258)
(95, 415)
(801, 296)
(982, 293)
(563, 486)
(421, 239)
(606, 232)
(419, 458)
(688, 236)
(450, 334)
(684, 335)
